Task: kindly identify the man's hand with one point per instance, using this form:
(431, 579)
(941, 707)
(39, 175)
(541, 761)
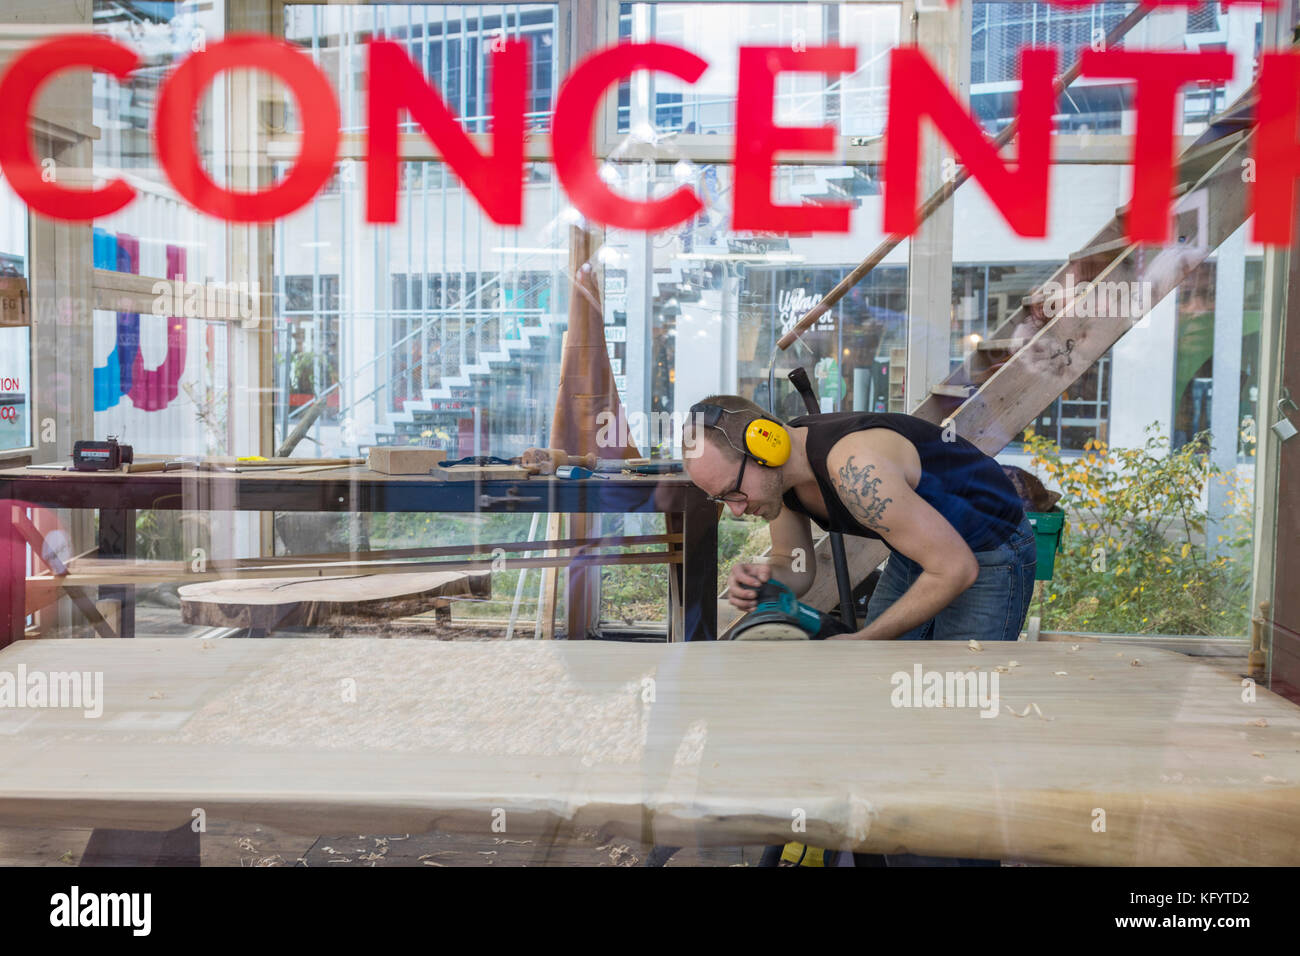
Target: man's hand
(743, 584)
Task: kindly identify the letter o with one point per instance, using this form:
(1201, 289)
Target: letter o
(180, 98)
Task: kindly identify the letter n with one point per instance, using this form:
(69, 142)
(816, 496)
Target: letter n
(496, 180)
(916, 90)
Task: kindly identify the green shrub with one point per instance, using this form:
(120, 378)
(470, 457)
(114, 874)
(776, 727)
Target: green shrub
(1134, 557)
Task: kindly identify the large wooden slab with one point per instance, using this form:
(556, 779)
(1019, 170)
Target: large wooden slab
(270, 603)
(701, 743)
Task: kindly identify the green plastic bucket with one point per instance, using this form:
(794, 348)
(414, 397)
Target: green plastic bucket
(1047, 527)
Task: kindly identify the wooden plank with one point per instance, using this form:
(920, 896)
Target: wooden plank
(951, 391)
(480, 473)
(439, 734)
(216, 301)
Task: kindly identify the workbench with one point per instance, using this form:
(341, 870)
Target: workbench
(1098, 755)
(118, 496)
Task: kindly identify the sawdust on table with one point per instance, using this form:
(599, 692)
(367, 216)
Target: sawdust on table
(432, 702)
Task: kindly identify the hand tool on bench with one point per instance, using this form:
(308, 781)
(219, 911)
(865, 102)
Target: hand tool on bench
(536, 461)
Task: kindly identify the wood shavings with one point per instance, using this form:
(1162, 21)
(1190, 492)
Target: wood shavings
(1259, 723)
(1013, 663)
(433, 863)
(1257, 753)
(1028, 707)
(622, 856)
(1135, 662)
(975, 645)
(512, 842)
(1074, 647)
(157, 695)
(247, 845)
(1060, 674)
(1003, 669)
(341, 859)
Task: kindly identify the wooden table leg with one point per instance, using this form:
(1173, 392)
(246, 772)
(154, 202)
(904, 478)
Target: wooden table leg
(13, 577)
(582, 615)
(700, 570)
(117, 540)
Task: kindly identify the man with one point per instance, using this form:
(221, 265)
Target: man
(962, 553)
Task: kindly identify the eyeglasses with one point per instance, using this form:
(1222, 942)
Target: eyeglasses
(735, 494)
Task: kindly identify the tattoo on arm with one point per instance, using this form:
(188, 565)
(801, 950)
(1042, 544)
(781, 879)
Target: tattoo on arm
(860, 493)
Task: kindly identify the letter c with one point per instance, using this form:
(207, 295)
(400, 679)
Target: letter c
(25, 78)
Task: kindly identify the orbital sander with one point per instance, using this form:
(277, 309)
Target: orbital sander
(778, 616)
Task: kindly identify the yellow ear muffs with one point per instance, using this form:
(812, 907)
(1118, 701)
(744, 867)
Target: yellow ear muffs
(768, 442)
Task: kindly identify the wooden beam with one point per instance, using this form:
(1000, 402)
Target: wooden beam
(216, 301)
(106, 571)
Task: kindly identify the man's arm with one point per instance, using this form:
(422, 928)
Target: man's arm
(793, 562)
(790, 561)
(875, 490)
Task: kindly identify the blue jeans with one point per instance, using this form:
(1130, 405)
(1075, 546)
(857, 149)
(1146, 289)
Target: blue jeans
(992, 609)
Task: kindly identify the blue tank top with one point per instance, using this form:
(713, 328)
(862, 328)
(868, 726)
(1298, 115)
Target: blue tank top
(958, 480)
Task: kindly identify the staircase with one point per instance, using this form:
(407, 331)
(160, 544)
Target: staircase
(505, 361)
(1033, 357)
(485, 349)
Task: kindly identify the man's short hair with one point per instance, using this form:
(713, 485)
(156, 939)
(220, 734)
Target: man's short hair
(741, 412)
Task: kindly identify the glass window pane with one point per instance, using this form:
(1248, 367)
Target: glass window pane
(854, 103)
(451, 43)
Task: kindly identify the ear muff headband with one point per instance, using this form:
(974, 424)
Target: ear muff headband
(766, 441)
